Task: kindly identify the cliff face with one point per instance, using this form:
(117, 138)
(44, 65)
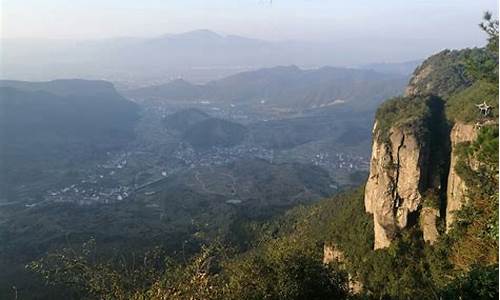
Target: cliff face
(393, 191)
(456, 191)
(412, 172)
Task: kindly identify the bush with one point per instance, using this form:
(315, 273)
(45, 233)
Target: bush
(461, 107)
(402, 112)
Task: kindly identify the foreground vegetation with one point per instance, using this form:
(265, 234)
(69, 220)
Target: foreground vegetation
(285, 262)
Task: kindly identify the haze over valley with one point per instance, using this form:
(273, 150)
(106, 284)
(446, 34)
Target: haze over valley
(211, 165)
(246, 146)
(135, 62)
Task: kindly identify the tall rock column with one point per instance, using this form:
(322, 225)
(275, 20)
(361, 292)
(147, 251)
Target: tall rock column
(393, 189)
(456, 190)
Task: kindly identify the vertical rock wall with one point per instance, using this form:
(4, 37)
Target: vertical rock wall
(398, 177)
(402, 167)
(393, 189)
(456, 191)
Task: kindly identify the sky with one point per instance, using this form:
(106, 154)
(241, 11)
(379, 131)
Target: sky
(453, 21)
(356, 31)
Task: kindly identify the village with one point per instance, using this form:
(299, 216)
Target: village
(110, 182)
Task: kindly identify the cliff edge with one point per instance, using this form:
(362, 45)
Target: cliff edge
(413, 179)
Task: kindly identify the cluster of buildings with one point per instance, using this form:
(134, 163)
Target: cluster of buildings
(221, 155)
(88, 192)
(337, 161)
(98, 185)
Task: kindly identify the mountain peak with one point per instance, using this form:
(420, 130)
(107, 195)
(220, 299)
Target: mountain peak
(199, 33)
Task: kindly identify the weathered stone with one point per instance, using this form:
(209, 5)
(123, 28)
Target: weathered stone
(413, 87)
(355, 286)
(393, 189)
(456, 191)
(402, 167)
(331, 253)
(428, 218)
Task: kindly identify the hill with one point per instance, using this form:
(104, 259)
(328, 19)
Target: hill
(184, 119)
(286, 87)
(45, 125)
(215, 133)
(178, 89)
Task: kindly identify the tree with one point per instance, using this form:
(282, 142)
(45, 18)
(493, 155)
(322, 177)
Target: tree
(490, 26)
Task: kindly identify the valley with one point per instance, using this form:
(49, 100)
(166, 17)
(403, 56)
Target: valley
(149, 159)
(184, 171)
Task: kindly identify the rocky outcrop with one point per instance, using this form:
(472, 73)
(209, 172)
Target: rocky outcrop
(393, 192)
(456, 190)
(415, 87)
(331, 254)
(428, 219)
(413, 178)
(402, 170)
(411, 152)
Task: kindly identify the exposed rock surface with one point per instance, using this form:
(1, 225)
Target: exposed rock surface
(411, 156)
(331, 253)
(456, 191)
(420, 75)
(428, 218)
(393, 189)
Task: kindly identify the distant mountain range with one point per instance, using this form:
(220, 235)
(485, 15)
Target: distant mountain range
(285, 87)
(403, 68)
(198, 56)
(346, 128)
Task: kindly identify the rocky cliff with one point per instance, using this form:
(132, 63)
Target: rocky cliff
(412, 177)
(393, 192)
(456, 190)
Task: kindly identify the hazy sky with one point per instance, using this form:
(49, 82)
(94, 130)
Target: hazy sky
(452, 20)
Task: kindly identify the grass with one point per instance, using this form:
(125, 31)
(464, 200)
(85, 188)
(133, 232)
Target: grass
(409, 112)
(461, 107)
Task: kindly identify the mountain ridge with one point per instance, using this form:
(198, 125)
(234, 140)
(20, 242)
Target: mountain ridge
(166, 56)
(49, 124)
(282, 86)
